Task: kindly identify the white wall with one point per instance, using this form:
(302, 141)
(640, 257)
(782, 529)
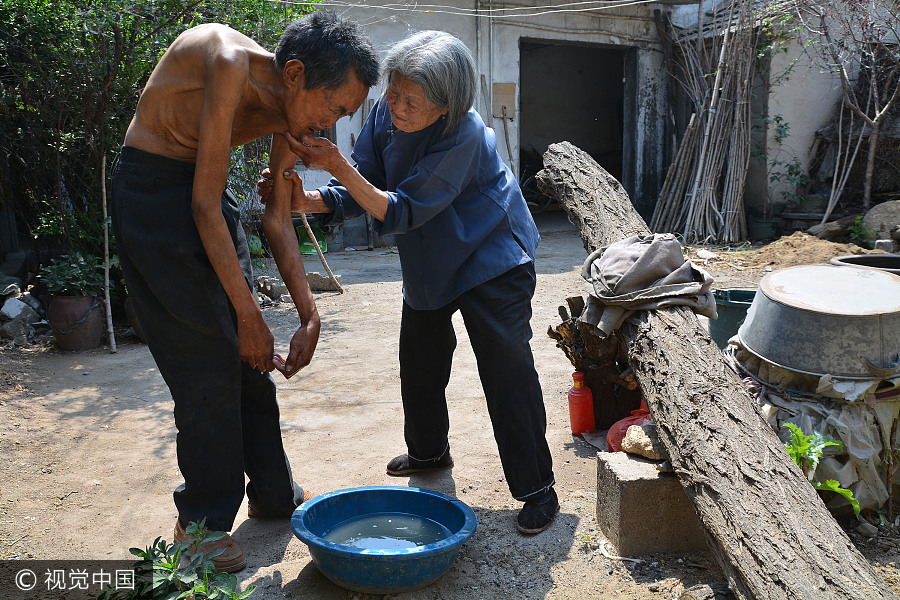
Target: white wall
(806, 97)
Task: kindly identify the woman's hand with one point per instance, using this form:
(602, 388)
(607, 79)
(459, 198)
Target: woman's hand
(318, 153)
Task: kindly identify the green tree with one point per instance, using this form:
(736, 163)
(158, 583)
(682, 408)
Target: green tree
(71, 72)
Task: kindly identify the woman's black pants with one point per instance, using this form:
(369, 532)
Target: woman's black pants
(497, 317)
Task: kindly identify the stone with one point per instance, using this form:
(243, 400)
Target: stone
(271, 287)
(32, 301)
(17, 330)
(644, 441)
(642, 511)
(321, 283)
(14, 308)
(866, 529)
(883, 218)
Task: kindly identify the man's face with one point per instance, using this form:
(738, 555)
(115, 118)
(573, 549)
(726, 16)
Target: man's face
(310, 111)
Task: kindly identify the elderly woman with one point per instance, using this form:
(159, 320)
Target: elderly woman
(428, 170)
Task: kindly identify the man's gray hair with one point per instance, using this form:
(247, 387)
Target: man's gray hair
(442, 65)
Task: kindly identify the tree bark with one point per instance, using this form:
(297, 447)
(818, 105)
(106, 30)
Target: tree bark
(767, 526)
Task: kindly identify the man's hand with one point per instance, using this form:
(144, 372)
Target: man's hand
(303, 345)
(301, 200)
(256, 343)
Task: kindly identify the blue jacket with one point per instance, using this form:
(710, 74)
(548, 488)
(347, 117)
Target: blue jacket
(455, 209)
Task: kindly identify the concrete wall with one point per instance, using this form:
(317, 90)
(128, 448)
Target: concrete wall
(806, 97)
(496, 42)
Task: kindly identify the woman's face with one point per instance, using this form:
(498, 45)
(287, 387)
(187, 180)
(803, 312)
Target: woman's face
(410, 111)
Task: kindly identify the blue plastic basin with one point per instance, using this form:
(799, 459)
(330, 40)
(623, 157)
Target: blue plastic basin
(382, 571)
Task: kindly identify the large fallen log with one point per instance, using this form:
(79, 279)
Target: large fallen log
(833, 228)
(767, 526)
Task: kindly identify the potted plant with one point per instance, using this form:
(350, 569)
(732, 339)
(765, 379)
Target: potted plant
(75, 312)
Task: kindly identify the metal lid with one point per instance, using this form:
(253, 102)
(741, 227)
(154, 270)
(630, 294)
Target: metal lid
(834, 290)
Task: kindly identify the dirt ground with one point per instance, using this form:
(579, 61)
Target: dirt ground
(87, 454)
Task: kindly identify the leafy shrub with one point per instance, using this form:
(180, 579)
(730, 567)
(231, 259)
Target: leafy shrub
(71, 72)
(180, 570)
(74, 274)
(807, 450)
(858, 232)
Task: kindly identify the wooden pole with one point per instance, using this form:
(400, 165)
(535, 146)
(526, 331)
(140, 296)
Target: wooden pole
(315, 242)
(109, 322)
(767, 526)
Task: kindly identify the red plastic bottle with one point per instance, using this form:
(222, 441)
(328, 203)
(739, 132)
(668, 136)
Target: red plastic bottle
(581, 406)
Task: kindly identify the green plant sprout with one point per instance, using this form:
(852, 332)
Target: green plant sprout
(807, 450)
(257, 250)
(180, 571)
(858, 232)
(588, 541)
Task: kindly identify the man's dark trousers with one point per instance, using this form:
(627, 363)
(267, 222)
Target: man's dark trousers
(225, 411)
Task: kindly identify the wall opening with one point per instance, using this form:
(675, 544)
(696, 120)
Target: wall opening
(572, 93)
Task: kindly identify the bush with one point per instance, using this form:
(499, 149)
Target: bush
(169, 571)
(74, 274)
(71, 72)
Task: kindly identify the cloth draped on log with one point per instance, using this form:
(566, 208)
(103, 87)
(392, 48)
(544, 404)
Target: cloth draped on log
(642, 272)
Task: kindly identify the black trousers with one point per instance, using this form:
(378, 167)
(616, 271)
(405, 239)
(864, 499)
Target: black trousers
(497, 317)
(225, 411)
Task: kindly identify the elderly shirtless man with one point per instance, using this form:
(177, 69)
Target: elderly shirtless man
(186, 260)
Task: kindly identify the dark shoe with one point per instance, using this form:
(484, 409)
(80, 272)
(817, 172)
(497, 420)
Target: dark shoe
(405, 464)
(230, 560)
(537, 516)
(257, 513)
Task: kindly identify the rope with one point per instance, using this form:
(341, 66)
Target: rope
(94, 305)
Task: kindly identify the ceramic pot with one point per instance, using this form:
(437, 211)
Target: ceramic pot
(77, 321)
(131, 315)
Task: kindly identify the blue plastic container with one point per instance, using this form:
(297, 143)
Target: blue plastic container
(382, 571)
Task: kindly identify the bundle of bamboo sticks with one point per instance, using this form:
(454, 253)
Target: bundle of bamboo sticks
(702, 195)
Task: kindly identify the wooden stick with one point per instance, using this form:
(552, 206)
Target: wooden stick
(315, 242)
(109, 322)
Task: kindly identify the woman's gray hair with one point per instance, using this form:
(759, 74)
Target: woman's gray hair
(442, 65)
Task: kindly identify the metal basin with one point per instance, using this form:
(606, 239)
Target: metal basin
(824, 319)
(885, 262)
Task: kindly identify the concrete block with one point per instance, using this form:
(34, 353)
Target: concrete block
(642, 511)
(887, 245)
(321, 283)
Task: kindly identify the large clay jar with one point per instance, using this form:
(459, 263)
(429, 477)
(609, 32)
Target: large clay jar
(77, 321)
(131, 314)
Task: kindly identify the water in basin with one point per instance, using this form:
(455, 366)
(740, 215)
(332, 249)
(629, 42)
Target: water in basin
(387, 531)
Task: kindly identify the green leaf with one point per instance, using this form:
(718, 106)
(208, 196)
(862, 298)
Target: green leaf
(833, 486)
(799, 445)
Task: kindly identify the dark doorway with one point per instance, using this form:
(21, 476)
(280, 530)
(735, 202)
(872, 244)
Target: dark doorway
(570, 93)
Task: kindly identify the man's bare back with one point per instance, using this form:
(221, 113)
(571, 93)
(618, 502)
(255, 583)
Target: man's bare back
(215, 88)
(168, 116)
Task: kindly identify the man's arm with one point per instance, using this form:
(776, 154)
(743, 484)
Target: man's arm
(319, 153)
(282, 238)
(224, 84)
